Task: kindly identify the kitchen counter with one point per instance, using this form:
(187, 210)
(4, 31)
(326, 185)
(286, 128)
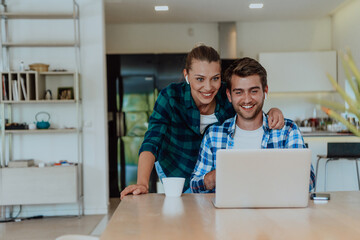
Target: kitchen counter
(341, 175)
(326, 134)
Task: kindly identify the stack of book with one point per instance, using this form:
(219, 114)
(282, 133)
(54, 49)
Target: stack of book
(4, 84)
(12, 92)
(15, 92)
(21, 163)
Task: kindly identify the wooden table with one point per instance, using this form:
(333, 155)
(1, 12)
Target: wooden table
(193, 216)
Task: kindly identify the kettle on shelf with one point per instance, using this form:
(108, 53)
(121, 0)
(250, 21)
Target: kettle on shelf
(48, 94)
(42, 124)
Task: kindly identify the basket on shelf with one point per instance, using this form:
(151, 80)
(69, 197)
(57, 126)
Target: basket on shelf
(39, 67)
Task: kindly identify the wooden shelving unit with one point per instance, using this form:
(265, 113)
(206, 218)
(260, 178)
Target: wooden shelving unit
(43, 44)
(41, 131)
(30, 86)
(43, 101)
(19, 15)
(34, 185)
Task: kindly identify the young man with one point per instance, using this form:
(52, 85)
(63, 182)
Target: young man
(246, 89)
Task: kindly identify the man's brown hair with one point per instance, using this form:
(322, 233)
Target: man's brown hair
(245, 67)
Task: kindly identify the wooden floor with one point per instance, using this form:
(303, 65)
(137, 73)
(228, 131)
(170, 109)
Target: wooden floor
(52, 227)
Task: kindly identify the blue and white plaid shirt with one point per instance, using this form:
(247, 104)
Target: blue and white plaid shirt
(222, 137)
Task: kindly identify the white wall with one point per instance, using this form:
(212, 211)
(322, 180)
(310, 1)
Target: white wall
(159, 38)
(252, 37)
(227, 40)
(94, 106)
(282, 36)
(49, 148)
(346, 32)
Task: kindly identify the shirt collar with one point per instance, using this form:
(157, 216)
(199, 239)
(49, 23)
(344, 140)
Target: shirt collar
(232, 126)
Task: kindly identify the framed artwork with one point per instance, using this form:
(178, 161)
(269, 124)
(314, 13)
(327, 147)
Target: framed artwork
(65, 93)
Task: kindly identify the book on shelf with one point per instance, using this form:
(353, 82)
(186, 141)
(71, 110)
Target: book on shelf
(15, 90)
(22, 83)
(5, 97)
(21, 163)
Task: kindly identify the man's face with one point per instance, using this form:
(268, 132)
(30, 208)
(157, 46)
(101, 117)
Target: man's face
(247, 96)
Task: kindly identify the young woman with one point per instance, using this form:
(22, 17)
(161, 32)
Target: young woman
(181, 114)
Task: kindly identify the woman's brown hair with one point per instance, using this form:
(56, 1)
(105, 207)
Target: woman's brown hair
(202, 53)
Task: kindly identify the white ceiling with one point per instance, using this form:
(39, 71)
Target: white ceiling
(184, 11)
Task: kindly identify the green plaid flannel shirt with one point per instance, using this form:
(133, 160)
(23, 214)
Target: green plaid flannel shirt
(174, 134)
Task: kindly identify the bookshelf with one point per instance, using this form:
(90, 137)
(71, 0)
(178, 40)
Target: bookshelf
(31, 86)
(22, 95)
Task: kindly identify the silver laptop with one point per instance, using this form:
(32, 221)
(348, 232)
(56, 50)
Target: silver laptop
(262, 178)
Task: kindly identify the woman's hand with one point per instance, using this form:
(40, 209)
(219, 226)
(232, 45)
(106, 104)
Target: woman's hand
(135, 189)
(276, 118)
(145, 166)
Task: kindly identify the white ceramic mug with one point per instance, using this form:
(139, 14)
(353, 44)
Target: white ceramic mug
(32, 126)
(173, 186)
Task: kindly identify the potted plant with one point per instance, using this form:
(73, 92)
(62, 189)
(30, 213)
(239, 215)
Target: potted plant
(352, 73)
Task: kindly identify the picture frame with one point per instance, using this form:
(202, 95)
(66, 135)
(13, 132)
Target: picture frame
(65, 93)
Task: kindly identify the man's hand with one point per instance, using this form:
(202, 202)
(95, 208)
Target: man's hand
(210, 180)
(135, 189)
(276, 119)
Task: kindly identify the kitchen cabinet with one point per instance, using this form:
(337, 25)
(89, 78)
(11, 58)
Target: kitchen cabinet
(299, 71)
(341, 175)
(33, 185)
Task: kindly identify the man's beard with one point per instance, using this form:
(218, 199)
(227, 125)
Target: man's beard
(254, 115)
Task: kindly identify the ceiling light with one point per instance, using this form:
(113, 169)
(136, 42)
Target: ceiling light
(256, 5)
(161, 8)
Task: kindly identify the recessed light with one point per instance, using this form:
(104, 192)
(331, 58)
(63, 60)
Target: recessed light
(161, 8)
(256, 5)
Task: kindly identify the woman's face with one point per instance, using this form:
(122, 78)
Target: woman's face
(205, 81)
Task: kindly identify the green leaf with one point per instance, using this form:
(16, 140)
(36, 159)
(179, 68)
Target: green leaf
(339, 118)
(353, 85)
(350, 61)
(353, 105)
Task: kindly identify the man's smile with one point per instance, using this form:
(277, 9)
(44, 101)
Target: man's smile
(247, 107)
